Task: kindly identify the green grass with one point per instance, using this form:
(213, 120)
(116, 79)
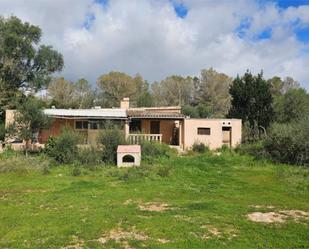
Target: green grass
(205, 193)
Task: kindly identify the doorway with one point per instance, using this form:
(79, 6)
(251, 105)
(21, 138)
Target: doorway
(227, 136)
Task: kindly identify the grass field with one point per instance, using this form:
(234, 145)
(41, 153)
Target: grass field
(200, 201)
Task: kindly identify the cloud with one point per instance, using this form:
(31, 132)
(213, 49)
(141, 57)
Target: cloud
(153, 38)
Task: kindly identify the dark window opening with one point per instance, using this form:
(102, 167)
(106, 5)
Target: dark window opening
(226, 128)
(135, 125)
(128, 159)
(81, 125)
(203, 131)
(155, 127)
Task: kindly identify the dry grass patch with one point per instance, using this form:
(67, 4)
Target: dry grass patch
(122, 236)
(278, 217)
(154, 207)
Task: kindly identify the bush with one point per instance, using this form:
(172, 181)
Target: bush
(76, 170)
(21, 164)
(109, 139)
(200, 148)
(89, 156)
(154, 150)
(164, 171)
(289, 143)
(63, 148)
(255, 149)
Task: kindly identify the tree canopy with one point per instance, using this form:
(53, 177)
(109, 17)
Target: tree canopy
(115, 86)
(251, 100)
(25, 64)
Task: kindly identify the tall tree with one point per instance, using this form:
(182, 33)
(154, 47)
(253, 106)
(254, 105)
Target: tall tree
(65, 94)
(61, 93)
(251, 100)
(213, 91)
(115, 86)
(174, 90)
(279, 86)
(83, 94)
(24, 63)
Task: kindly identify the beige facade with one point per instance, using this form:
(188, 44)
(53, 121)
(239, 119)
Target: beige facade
(217, 132)
(162, 124)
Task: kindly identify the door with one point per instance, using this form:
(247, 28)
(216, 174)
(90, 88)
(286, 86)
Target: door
(155, 127)
(227, 136)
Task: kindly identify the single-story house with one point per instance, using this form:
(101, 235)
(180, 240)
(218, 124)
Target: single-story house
(163, 124)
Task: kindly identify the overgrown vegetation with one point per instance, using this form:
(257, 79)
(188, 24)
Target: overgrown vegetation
(289, 143)
(63, 149)
(200, 148)
(154, 151)
(108, 140)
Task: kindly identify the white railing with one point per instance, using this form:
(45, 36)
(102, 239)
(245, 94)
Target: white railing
(138, 138)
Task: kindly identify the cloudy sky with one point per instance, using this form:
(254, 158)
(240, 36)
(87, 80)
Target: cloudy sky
(157, 38)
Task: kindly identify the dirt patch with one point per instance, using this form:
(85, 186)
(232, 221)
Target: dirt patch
(77, 246)
(278, 217)
(164, 241)
(261, 206)
(128, 202)
(121, 236)
(154, 207)
(270, 217)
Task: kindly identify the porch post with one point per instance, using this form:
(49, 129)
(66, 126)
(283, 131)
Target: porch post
(126, 129)
(180, 133)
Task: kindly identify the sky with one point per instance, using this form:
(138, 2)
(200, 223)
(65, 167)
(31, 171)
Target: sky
(158, 38)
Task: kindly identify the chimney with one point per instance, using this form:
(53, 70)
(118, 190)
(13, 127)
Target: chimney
(125, 103)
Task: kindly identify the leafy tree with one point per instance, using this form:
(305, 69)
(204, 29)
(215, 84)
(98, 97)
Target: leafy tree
(213, 91)
(199, 111)
(24, 63)
(251, 100)
(61, 93)
(28, 120)
(279, 86)
(144, 100)
(115, 86)
(292, 106)
(66, 94)
(83, 94)
(174, 90)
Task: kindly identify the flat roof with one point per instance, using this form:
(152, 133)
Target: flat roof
(102, 113)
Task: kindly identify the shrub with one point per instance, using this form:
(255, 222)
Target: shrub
(154, 150)
(164, 171)
(89, 156)
(63, 148)
(76, 170)
(21, 164)
(109, 139)
(289, 143)
(200, 148)
(255, 149)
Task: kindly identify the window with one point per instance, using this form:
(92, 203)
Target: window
(203, 131)
(81, 125)
(135, 125)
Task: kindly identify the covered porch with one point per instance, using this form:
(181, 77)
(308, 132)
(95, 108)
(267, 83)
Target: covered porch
(163, 127)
